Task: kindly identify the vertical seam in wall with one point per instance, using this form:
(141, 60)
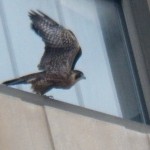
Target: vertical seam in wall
(48, 128)
(8, 40)
(148, 137)
(79, 95)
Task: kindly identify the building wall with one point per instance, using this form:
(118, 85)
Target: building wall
(31, 122)
(117, 91)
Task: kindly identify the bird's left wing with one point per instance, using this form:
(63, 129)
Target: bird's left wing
(51, 32)
(61, 45)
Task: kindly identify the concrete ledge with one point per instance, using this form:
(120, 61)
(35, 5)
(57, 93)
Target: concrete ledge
(44, 101)
(31, 121)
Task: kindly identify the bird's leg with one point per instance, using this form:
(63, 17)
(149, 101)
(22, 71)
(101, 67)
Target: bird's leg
(50, 97)
(40, 67)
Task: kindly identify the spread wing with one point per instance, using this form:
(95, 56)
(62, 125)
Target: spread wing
(61, 45)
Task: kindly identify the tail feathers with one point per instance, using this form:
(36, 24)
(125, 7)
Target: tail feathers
(14, 81)
(24, 80)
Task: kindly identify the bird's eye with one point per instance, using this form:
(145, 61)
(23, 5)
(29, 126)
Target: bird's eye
(78, 76)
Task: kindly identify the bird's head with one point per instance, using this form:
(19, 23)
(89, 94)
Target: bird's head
(77, 75)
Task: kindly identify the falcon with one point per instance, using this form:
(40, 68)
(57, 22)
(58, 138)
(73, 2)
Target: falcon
(62, 51)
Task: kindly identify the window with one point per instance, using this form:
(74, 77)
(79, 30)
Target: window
(112, 84)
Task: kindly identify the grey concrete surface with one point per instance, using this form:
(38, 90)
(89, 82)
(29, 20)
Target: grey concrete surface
(32, 122)
(22, 126)
(44, 101)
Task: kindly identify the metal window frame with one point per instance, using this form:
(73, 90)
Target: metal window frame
(137, 18)
(123, 58)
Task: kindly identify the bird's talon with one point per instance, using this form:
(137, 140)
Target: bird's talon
(51, 97)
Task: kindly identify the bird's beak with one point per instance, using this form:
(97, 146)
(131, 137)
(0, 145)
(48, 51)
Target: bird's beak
(83, 77)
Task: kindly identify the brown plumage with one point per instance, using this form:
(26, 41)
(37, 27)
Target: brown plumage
(61, 45)
(57, 63)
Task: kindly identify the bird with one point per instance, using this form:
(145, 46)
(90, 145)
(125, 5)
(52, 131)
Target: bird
(62, 50)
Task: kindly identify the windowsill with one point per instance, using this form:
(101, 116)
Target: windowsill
(44, 101)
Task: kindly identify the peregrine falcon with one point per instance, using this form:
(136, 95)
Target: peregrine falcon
(62, 50)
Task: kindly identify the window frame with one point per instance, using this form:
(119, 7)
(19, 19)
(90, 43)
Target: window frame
(135, 13)
(129, 91)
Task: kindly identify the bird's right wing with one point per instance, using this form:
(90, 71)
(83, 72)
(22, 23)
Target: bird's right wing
(49, 55)
(51, 58)
(58, 60)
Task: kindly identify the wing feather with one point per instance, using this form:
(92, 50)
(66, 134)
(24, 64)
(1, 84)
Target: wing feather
(47, 28)
(58, 60)
(41, 17)
(61, 45)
